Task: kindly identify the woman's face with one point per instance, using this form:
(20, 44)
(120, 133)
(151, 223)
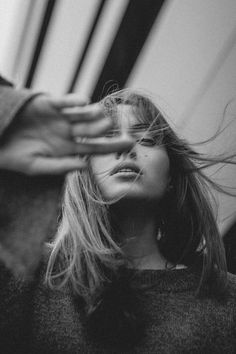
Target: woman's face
(142, 173)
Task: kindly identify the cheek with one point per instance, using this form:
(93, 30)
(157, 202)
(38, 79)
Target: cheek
(159, 169)
(101, 167)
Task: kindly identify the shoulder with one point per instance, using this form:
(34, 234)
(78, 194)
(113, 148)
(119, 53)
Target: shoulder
(231, 294)
(232, 284)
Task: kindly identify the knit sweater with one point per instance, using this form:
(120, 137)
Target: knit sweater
(35, 319)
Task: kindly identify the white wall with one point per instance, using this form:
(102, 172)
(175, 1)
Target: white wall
(189, 66)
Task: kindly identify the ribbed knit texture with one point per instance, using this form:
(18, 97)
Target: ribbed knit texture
(39, 320)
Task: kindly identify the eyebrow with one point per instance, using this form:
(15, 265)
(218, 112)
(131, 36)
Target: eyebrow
(138, 127)
(142, 127)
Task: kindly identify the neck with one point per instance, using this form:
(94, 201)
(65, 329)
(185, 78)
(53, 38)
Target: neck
(137, 231)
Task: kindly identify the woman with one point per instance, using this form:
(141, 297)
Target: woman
(137, 264)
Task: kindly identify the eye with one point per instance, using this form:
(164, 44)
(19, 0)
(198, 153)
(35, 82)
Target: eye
(147, 141)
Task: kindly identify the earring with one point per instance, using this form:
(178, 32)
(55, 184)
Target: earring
(159, 235)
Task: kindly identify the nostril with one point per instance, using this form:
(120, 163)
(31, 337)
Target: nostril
(132, 154)
(118, 155)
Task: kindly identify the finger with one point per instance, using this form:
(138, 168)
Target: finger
(88, 113)
(56, 166)
(69, 100)
(92, 129)
(105, 147)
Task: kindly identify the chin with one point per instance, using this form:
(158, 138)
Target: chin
(134, 199)
(131, 194)
(124, 192)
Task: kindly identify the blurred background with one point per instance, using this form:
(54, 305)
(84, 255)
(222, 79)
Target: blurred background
(181, 53)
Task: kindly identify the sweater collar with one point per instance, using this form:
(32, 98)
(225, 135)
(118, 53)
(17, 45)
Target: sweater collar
(175, 280)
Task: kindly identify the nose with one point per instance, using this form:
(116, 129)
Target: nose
(130, 153)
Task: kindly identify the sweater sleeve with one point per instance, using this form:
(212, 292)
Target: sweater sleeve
(29, 206)
(11, 101)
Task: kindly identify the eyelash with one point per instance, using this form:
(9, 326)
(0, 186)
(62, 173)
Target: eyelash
(147, 141)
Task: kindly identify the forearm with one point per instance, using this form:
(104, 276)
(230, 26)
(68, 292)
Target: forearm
(29, 208)
(28, 205)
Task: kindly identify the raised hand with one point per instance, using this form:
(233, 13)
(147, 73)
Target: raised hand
(49, 136)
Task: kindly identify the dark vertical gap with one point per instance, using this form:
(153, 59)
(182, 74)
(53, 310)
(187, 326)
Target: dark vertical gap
(136, 24)
(87, 44)
(40, 40)
(230, 248)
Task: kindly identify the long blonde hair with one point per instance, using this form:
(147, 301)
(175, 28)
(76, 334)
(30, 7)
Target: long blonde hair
(84, 240)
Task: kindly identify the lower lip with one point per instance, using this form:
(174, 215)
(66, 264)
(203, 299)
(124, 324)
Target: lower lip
(127, 174)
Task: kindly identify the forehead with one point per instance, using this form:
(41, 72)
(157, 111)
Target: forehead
(139, 113)
(129, 117)
(126, 115)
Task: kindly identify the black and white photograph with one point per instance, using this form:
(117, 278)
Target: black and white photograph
(117, 177)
